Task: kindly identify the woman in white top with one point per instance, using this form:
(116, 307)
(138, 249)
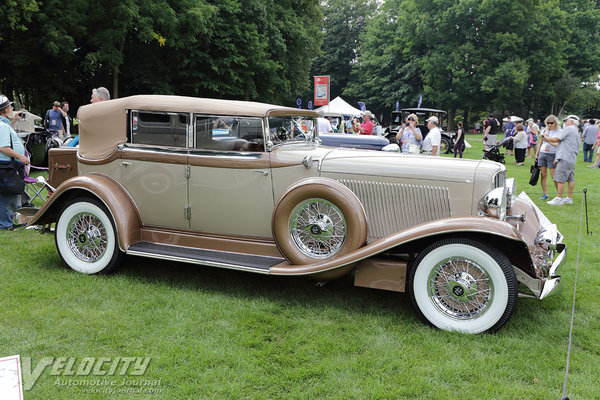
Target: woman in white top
(545, 152)
(520, 141)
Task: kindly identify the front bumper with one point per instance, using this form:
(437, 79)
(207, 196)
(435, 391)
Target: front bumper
(546, 249)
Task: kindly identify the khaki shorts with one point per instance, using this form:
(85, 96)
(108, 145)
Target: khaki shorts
(565, 172)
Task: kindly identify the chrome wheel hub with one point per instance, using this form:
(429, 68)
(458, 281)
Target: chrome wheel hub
(86, 237)
(460, 288)
(318, 228)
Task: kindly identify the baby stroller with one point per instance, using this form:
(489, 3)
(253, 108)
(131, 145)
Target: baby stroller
(493, 153)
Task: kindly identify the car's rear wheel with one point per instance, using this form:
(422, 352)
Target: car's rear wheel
(463, 285)
(86, 237)
(317, 221)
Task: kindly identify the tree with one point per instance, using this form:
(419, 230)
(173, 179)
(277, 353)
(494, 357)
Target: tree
(343, 23)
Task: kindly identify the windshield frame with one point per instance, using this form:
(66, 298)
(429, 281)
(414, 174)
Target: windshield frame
(310, 135)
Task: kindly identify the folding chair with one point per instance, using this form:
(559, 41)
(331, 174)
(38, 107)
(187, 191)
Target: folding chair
(36, 188)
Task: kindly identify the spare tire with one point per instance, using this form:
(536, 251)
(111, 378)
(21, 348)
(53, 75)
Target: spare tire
(316, 219)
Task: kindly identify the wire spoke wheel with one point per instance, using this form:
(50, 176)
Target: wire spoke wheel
(318, 228)
(86, 236)
(460, 288)
(460, 284)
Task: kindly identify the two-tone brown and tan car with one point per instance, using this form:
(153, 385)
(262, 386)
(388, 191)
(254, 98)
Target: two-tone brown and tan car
(249, 186)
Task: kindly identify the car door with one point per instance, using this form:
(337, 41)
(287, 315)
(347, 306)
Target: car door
(154, 167)
(230, 189)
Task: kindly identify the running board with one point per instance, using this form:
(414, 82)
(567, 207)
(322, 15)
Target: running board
(211, 258)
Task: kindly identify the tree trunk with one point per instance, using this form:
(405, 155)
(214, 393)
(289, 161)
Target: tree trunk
(466, 121)
(451, 116)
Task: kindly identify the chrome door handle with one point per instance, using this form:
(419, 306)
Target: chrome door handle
(265, 172)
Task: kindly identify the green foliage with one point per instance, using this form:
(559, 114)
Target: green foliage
(343, 23)
(497, 54)
(244, 49)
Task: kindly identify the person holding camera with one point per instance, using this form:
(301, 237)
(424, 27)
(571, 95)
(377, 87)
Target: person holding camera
(53, 121)
(409, 136)
(11, 148)
(366, 128)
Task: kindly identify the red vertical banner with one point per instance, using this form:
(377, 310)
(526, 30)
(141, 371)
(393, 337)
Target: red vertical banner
(321, 90)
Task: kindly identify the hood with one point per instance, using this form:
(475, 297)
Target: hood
(391, 164)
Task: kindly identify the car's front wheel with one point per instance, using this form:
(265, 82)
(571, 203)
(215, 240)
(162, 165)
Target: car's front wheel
(86, 238)
(445, 146)
(463, 285)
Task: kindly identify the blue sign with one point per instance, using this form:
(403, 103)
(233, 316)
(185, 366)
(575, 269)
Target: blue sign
(420, 101)
(362, 106)
(309, 105)
(397, 105)
(299, 101)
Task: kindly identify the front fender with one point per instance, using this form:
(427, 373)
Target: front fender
(114, 196)
(504, 236)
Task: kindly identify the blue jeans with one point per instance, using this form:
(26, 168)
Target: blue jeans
(8, 205)
(588, 152)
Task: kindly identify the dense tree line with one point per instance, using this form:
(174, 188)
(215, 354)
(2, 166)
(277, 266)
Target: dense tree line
(526, 57)
(239, 49)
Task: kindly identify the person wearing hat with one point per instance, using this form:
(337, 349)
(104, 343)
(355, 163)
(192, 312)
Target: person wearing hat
(10, 147)
(53, 121)
(366, 128)
(431, 143)
(410, 136)
(568, 142)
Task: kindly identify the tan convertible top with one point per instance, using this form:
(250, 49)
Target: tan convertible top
(103, 125)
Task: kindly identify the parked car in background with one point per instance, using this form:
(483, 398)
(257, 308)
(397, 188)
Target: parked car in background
(398, 117)
(250, 187)
(350, 141)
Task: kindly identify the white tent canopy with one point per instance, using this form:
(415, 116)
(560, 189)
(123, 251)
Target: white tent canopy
(337, 108)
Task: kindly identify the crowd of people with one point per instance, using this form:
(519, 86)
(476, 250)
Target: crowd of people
(13, 155)
(554, 149)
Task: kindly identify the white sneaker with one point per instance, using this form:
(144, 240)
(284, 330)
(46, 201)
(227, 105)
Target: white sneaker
(567, 200)
(557, 201)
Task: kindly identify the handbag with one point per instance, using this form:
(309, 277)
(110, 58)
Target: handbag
(12, 176)
(535, 174)
(413, 149)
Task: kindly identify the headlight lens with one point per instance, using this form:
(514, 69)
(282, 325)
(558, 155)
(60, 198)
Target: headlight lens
(493, 204)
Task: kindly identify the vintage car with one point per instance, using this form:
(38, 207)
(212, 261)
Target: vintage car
(350, 141)
(248, 186)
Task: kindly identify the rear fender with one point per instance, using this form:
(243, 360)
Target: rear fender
(120, 205)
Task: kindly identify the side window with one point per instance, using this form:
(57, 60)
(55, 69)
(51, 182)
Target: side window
(158, 128)
(227, 133)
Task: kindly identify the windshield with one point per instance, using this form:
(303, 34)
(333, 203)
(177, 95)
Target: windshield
(291, 129)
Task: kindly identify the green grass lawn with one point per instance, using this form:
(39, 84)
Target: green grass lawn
(215, 334)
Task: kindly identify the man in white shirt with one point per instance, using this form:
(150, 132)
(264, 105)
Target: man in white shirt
(431, 144)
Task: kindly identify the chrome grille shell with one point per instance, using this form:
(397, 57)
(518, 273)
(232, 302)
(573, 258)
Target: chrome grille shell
(392, 207)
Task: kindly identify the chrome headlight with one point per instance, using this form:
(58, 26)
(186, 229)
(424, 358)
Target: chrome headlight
(493, 204)
(511, 192)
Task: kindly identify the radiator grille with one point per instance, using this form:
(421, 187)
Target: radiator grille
(391, 207)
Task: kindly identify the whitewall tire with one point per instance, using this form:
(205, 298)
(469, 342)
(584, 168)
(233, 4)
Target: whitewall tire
(463, 285)
(86, 238)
